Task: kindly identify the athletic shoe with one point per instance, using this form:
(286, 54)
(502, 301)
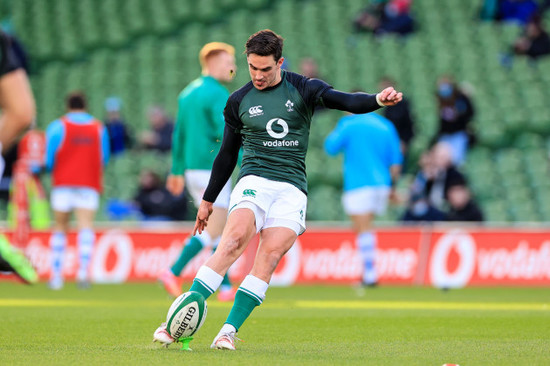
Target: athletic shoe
(161, 335)
(170, 282)
(225, 341)
(227, 295)
(17, 261)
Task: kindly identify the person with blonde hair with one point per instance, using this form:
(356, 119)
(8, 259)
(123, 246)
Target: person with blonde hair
(195, 143)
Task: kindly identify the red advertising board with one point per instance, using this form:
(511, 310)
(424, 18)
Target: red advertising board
(439, 257)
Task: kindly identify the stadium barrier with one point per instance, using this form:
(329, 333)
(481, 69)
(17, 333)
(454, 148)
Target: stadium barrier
(440, 257)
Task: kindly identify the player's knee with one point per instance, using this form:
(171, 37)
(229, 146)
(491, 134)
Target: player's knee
(231, 246)
(273, 257)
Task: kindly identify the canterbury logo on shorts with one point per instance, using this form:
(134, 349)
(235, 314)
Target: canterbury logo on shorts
(249, 193)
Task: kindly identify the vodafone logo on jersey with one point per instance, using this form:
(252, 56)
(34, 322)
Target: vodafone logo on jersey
(282, 123)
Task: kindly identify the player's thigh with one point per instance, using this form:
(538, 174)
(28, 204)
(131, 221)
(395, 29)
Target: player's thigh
(274, 243)
(84, 218)
(238, 232)
(85, 206)
(361, 223)
(61, 220)
(288, 209)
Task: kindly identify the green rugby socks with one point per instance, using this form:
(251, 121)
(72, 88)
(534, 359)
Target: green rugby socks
(251, 293)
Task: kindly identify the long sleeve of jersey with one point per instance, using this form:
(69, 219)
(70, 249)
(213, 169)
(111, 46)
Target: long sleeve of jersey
(225, 162)
(357, 103)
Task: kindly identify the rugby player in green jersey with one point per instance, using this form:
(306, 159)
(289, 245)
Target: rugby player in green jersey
(270, 118)
(196, 141)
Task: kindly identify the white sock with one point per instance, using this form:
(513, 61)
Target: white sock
(85, 241)
(58, 242)
(254, 287)
(366, 242)
(208, 278)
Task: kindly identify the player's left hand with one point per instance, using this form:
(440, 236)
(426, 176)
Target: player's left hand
(390, 96)
(203, 213)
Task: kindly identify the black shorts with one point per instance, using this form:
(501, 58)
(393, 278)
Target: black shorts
(8, 60)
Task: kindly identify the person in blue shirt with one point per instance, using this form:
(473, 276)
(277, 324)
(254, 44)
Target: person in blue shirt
(77, 149)
(372, 164)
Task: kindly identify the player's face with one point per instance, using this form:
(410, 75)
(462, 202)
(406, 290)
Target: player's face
(264, 70)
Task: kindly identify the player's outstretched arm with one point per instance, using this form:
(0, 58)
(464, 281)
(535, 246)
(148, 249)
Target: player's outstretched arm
(360, 102)
(203, 213)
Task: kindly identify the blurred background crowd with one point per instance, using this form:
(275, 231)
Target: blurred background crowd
(474, 126)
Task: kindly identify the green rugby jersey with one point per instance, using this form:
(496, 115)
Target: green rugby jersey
(274, 124)
(199, 125)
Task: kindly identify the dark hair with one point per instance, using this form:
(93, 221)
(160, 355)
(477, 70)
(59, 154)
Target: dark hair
(76, 100)
(265, 43)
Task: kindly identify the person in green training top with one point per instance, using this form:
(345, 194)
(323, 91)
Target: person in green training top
(195, 144)
(270, 117)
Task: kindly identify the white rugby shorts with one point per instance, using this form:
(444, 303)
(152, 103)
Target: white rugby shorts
(275, 204)
(365, 200)
(197, 180)
(66, 199)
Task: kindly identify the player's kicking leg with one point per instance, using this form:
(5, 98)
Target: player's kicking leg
(237, 234)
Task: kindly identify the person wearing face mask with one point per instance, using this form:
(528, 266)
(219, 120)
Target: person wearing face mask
(456, 113)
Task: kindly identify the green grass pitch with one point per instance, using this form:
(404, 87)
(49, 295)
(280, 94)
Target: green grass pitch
(113, 325)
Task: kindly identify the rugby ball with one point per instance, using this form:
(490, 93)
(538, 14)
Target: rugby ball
(186, 315)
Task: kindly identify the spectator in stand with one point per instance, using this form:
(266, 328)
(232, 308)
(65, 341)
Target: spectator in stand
(420, 210)
(401, 117)
(155, 202)
(461, 204)
(386, 16)
(119, 137)
(442, 175)
(437, 173)
(535, 41)
(455, 115)
(159, 137)
(419, 207)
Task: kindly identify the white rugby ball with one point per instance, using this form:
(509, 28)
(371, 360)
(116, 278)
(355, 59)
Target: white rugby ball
(186, 315)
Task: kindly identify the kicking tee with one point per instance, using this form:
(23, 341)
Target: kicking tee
(274, 124)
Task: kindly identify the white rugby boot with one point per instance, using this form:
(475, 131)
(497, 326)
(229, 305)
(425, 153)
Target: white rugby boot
(225, 341)
(161, 335)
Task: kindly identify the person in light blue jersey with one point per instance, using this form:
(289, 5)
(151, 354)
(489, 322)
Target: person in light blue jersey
(372, 164)
(77, 150)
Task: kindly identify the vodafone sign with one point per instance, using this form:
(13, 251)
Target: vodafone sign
(456, 246)
(422, 256)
